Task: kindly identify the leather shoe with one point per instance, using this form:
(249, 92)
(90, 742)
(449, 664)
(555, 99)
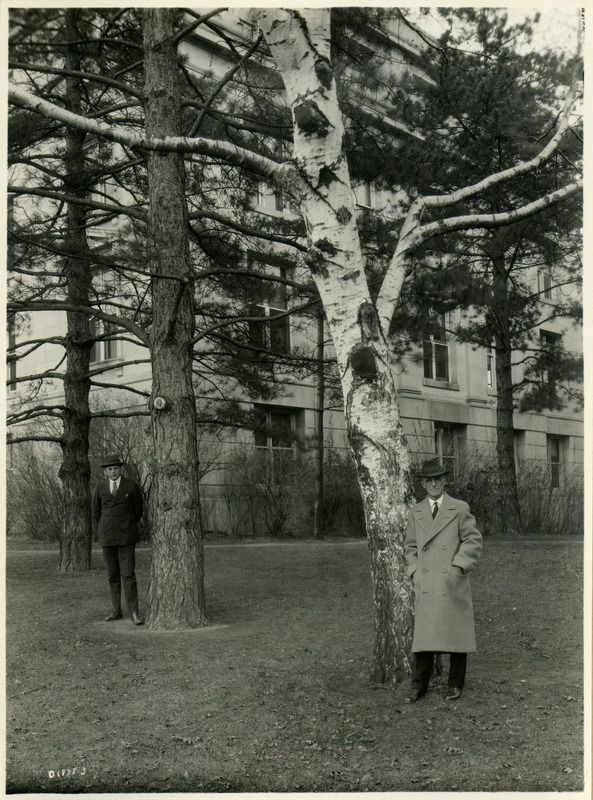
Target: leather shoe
(415, 695)
(113, 615)
(453, 693)
(137, 619)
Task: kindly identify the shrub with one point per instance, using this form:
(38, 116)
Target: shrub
(263, 493)
(342, 503)
(544, 510)
(273, 494)
(33, 494)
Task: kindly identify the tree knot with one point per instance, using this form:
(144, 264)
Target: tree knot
(310, 119)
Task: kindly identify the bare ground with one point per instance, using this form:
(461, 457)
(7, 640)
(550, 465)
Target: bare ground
(274, 694)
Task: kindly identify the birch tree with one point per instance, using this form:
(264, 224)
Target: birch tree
(359, 328)
(316, 176)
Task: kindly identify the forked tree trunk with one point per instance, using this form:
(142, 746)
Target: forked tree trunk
(299, 41)
(75, 472)
(176, 594)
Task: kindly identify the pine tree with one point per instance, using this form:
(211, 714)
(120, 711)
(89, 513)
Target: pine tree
(316, 177)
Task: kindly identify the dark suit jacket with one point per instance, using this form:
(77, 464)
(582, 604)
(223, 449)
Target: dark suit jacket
(117, 517)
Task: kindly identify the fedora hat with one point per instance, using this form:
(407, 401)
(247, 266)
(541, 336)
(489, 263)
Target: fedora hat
(432, 469)
(111, 460)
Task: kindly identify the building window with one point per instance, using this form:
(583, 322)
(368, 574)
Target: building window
(11, 356)
(274, 428)
(554, 460)
(271, 331)
(269, 199)
(549, 343)
(365, 195)
(545, 284)
(104, 348)
(491, 367)
(448, 444)
(519, 439)
(436, 349)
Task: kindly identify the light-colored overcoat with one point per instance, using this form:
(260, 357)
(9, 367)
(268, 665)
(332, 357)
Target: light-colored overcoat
(444, 617)
(117, 517)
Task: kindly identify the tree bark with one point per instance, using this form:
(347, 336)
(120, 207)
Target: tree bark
(509, 512)
(176, 594)
(319, 518)
(299, 41)
(75, 472)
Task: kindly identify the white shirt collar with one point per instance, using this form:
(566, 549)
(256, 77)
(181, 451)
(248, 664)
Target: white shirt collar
(116, 482)
(437, 502)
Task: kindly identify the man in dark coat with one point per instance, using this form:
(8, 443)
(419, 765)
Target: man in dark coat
(117, 508)
(442, 546)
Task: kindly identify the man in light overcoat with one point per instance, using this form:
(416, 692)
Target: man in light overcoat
(117, 508)
(442, 546)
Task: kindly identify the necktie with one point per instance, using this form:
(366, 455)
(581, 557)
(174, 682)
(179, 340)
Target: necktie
(435, 510)
(113, 488)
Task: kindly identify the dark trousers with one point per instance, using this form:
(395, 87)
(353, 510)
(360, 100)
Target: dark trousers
(422, 669)
(121, 565)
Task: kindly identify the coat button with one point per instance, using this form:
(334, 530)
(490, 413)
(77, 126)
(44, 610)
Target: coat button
(444, 569)
(424, 570)
(444, 592)
(443, 547)
(425, 547)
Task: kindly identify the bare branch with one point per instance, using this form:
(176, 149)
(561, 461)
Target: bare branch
(223, 82)
(112, 208)
(486, 221)
(59, 305)
(88, 76)
(280, 174)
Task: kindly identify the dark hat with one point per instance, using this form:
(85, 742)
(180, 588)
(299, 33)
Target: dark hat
(112, 460)
(432, 469)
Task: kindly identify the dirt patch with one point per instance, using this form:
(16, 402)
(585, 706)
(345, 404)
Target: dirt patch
(274, 695)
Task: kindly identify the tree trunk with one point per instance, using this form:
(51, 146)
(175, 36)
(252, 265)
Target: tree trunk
(75, 472)
(300, 45)
(176, 595)
(509, 513)
(319, 520)
(379, 447)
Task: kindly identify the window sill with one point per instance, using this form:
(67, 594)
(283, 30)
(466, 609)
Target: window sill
(440, 384)
(492, 392)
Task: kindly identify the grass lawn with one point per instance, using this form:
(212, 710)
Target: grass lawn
(274, 694)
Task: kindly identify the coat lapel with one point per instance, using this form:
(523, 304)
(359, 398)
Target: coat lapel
(447, 512)
(423, 517)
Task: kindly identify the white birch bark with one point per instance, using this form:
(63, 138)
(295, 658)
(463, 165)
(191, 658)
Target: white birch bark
(299, 41)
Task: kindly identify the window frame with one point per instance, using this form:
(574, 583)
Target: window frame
(11, 356)
(267, 429)
(491, 368)
(457, 433)
(432, 347)
(555, 464)
(109, 350)
(273, 316)
(370, 195)
(545, 279)
(548, 340)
